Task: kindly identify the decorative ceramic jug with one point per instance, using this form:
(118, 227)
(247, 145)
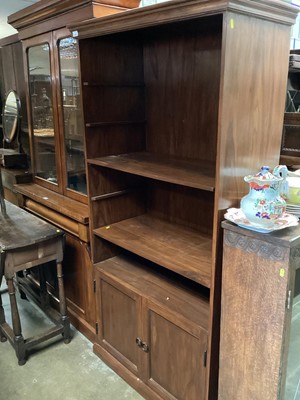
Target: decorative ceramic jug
(264, 202)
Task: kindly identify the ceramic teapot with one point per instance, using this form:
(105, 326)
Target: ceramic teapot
(265, 202)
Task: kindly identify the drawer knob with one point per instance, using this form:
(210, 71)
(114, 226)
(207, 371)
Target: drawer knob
(145, 347)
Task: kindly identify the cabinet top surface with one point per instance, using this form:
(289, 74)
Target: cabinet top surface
(289, 237)
(20, 228)
(178, 10)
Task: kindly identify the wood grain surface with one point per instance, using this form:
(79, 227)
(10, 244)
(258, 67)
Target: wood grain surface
(254, 292)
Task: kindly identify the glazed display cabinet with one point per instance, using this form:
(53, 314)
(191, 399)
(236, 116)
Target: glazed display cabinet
(181, 100)
(58, 190)
(55, 113)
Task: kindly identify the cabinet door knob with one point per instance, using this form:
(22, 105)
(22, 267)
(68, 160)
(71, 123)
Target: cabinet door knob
(142, 344)
(145, 347)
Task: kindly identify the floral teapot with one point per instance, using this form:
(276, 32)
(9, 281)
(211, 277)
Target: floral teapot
(265, 201)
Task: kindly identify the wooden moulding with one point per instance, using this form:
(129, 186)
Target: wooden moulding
(49, 8)
(122, 3)
(47, 15)
(9, 40)
(287, 238)
(183, 10)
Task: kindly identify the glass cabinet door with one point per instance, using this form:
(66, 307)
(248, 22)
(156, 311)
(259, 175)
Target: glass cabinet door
(72, 115)
(42, 112)
(56, 123)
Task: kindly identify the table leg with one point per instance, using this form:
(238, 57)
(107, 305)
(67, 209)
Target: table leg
(19, 343)
(22, 293)
(43, 288)
(2, 319)
(2, 315)
(62, 304)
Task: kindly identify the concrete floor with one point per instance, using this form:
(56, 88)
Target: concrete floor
(57, 371)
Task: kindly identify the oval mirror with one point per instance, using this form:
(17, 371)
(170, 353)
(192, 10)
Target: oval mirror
(11, 116)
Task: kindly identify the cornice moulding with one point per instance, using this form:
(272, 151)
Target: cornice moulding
(178, 10)
(48, 9)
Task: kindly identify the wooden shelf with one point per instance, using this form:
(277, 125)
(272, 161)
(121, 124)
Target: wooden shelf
(290, 161)
(159, 241)
(110, 123)
(113, 85)
(157, 288)
(186, 173)
(294, 70)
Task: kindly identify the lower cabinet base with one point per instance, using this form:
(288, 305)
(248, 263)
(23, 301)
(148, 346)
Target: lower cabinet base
(125, 374)
(152, 329)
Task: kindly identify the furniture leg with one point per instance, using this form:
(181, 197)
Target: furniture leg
(2, 201)
(22, 293)
(2, 319)
(2, 315)
(62, 304)
(43, 288)
(29, 242)
(19, 343)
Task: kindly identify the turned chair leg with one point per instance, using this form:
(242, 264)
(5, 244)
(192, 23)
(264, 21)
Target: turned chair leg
(2, 319)
(19, 343)
(62, 304)
(22, 293)
(43, 288)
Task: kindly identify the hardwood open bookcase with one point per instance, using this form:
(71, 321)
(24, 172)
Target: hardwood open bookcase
(181, 100)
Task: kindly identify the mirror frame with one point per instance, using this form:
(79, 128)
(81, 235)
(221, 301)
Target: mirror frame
(9, 137)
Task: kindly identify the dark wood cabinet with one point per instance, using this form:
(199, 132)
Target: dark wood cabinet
(12, 177)
(177, 354)
(55, 114)
(259, 350)
(119, 307)
(181, 101)
(12, 78)
(154, 327)
(56, 133)
(79, 288)
(290, 148)
(12, 72)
